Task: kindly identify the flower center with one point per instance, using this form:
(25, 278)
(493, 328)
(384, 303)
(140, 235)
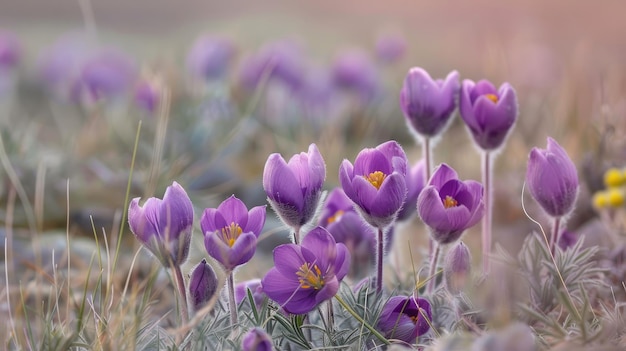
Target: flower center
(492, 97)
(231, 233)
(449, 201)
(376, 178)
(310, 276)
(334, 218)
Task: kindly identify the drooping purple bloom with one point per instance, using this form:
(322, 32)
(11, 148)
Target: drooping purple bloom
(255, 287)
(552, 179)
(210, 57)
(489, 114)
(448, 205)
(10, 51)
(353, 70)
(148, 95)
(390, 48)
(428, 104)
(403, 318)
(567, 239)
(294, 188)
(457, 267)
(202, 285)
(164, 226)
(280, 61)
(256, 340)
(346, 226)
(415, 182)
(230, 231)
(377, 182)
(306, 275)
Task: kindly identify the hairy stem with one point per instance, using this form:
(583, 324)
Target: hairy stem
(296, 235)
(182, 294)
(379, 260)
(433, 269)
(556, 231)
(488, 217)
(231, 299)
(426, 153)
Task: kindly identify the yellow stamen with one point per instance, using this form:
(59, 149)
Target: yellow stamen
(493, 97)
(449, 201)
(231, 233)
(334, 218)
(310, 277)
(376, 178)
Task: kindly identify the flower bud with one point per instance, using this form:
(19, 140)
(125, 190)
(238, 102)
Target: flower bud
(256, 340)
(202, 285)
(457, 267)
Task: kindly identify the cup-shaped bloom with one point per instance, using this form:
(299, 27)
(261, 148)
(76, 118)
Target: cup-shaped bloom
(305, 275)
(230, 231)
(552, 179)
(255, 287)
(405, 318)
(256, 340)
(457, 267)
(347, 227)
(104, 75)
(210, 57)
(428, 104)
(294, 188)
(448, 205)
(415, 182)
(280, 61)
(377, 182)
(202, 285)
(10, 51)
(353, 70)
(164, 226)
(489, 114)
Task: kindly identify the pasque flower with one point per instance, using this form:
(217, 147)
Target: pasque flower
(457, 267)
(294, 188)
(230, 231)
(377, 182)
(202, 285)
(415, 182)
(256, 340)
(164, 226)
(405, 318)
(488, 113)
(390, 48)
(428, 104)
(255, 287)
(353, 70)
(552, 179)
(306, 275)
(10, 51)
(448, 205)
(210, 57)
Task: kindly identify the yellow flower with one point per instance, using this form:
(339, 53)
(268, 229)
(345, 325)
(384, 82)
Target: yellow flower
(615, 197)
(614, 177)
(600, 200)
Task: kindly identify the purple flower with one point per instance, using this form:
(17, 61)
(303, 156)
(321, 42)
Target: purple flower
(106, 74)
(230, 231)
(280, 61)
(448, 206)
(457, 267)
(403, 319)
(415, 182)
(148, 95)
(377, 182)
(164, 226)
(210, 57)
(294, 188)
(256, 340)
(390, 48)
(255, 287)
(552, 179)
(353, 70)
(488, 113)
(567, 239)
(308, 274)
(202, 285)
(428, 104)
(347, 227)
(10, 51)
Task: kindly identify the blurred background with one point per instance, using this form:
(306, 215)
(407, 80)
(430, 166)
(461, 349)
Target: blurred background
(78, 76)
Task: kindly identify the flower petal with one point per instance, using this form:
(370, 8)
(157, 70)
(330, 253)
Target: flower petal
(390, 196)
(234, 211)
(256, 220)
(342, 262)
(370, 161)
(288, 259)
(442, 174)
(207, 221)
(322, 245)
(280, 184)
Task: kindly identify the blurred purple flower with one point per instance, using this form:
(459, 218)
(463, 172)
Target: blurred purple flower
(148, 96)
(489, 114)
(256, 339)
(306, 275)
(448, 206)
(202, 285)
(164, 226)
(457, 267)
(390, 48)
(353, 70)
(10, 50)
(567, 239)
(294, 189)
(210, 57)
(255, 287)
(402, 318)
(106, 74)
(428, 104)
(280, 61)
(347, 227)
(415, 182)
(377, 182)
(552, 179)
(231, 231)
